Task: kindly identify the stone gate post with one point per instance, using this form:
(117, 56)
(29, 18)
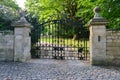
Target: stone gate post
(98, 39)
(22, 40)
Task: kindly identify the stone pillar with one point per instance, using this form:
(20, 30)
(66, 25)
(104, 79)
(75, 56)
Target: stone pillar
(98, 39)
(22, 40)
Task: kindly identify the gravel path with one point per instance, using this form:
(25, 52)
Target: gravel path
(45, 69)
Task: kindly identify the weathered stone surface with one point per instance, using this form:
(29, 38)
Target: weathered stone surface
(98, 46)
(104, 44)
(22, 45)
(113, 47)
(113, 44)
(6, 46)
(98, 39)
(109, 40)
(22, 40)
(16, 46)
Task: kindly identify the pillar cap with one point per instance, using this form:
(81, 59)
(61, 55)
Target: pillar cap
(22, 23)
(97, 19)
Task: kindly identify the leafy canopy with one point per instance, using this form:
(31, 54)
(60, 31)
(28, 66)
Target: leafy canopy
(45, 9)
(8, 13)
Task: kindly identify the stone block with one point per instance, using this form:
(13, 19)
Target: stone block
(95, 39)
(113, 61)
(2, 53)
(98, 62)
(108, 33)
(99, 46)
(6, 55)
(118, 33)
(113, 51)
(19, 31)
(26, 31)
(116, 40)
(99, 32)
(113, 44)
(3, 59)
(109, 37)
(109, 40)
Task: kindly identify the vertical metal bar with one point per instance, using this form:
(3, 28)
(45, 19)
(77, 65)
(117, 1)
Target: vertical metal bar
(63, 26)
(38, 36)
(71, 44)
(84, 32)
(60, 40)
(78, 44)
(74, 47)
(37, 40)
(46, 37)
(52, 37)
(49, 43)
(57, 25)
(55, 40)
(84, 43)
(86, 46)
(86, 49)
(40, 39)
(67, 40)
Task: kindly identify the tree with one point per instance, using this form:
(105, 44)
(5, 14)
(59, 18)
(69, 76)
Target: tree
(44, 8)
(77, 10)
(110, 10)
(51, 9)
(8, 13)
(9, 3)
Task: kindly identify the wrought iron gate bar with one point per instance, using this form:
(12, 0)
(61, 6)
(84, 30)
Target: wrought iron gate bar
(54, 39)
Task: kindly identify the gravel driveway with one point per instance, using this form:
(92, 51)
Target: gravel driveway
(48, 69)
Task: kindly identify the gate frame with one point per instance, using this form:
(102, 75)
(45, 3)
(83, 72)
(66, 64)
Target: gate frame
(59, 22)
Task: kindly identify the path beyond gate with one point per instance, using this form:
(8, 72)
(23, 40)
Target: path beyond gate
(60, 39)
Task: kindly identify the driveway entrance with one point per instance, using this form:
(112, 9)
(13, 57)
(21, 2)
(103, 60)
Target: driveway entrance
(51, 69)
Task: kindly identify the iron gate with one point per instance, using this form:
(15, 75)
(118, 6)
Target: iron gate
(60, 39)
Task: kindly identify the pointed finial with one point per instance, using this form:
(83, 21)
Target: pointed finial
(96, 11)
(23, 13)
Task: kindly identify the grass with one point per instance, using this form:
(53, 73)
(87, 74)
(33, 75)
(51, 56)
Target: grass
(66, 41)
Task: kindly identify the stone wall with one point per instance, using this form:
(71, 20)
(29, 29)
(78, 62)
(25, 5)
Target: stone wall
(113, 47)
(6, 46)
(17, 46)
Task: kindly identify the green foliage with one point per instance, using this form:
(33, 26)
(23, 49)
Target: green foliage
(110, 10)
(10, 4)
(83, 9)
(8, 13)
(44, 8)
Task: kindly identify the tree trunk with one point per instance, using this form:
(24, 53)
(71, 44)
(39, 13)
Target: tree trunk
(75, 36)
